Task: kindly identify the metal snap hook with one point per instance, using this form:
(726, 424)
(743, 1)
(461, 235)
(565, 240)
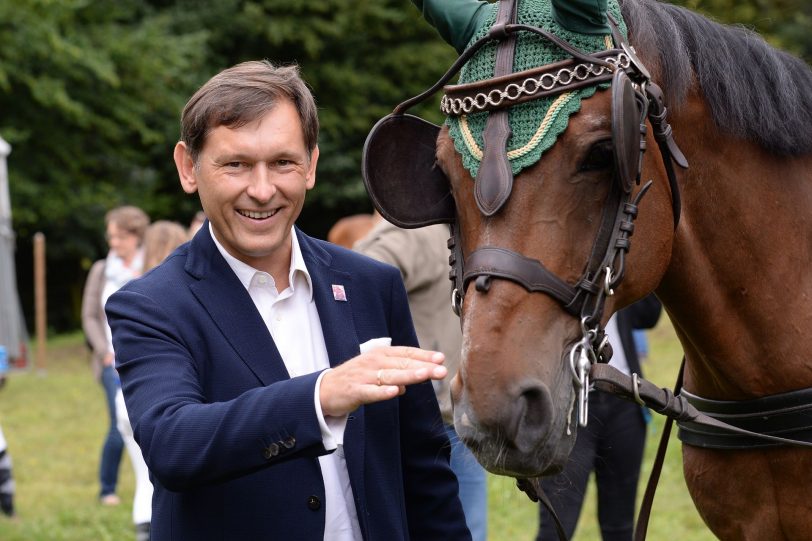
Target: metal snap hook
(456, 302)
(607, 281)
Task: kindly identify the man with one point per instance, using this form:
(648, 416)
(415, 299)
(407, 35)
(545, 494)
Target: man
(248, 359)
(421, 255)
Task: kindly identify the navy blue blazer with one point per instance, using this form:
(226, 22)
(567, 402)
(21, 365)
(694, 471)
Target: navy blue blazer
(232, 441)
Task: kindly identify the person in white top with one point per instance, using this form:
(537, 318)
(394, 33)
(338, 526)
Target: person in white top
(272, 379)
(125, 228)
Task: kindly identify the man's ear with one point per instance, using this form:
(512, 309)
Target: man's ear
(311, 169)
(186, 168)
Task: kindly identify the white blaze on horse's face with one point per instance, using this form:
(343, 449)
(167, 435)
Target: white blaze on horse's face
(514, 396)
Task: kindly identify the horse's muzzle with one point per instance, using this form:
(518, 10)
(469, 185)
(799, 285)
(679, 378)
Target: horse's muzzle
(517, 434)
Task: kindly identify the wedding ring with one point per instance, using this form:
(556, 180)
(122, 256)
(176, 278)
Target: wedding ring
(379, 377)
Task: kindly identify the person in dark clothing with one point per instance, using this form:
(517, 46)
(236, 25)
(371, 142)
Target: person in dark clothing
(611, 445)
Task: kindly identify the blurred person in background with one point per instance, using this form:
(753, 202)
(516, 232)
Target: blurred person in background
(611, 444)
(6, 477)
(196, 223)
(421, 255)
(125, 228)
(160, 240)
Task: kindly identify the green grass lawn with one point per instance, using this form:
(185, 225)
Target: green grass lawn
(55, 423)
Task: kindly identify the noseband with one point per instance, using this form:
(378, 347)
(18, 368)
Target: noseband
(635, 99)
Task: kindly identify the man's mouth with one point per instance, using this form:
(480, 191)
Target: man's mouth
(257, 215)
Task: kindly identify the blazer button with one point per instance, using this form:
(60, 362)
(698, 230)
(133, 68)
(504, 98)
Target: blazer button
(289, 442)
(313, 503)
(271, 451)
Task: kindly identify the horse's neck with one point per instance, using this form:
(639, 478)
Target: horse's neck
(738, 287)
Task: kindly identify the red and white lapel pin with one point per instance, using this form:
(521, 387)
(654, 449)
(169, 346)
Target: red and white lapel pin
(338, 293)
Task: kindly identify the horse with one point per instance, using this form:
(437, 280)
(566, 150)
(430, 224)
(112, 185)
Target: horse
(724, 243)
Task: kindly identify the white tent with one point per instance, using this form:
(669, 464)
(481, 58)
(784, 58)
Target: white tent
(13, 334)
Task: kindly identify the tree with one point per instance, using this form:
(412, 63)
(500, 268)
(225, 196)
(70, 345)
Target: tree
(89, 94)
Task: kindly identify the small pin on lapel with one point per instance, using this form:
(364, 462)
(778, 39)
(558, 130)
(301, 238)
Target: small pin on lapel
(338, 293)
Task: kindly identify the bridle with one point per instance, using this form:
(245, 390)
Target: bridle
(635, 99)
(410, 191)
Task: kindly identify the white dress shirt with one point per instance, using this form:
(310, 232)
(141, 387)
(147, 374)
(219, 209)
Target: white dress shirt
(294, 324)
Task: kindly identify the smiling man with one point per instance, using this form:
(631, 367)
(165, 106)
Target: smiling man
(273, 380)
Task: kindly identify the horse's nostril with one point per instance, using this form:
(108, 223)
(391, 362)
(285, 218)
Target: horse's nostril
(533, 417)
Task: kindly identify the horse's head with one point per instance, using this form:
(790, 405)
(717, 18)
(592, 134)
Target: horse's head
(539, 171)
(515, 394)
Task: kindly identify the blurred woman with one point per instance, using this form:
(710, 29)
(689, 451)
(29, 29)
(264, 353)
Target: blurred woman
(125, 228)
(160, 239)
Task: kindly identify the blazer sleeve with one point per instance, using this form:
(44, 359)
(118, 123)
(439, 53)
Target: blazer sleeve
(93, 317)
(431, 491)
(187, 440)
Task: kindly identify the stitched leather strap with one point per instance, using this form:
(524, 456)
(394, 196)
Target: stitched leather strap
(674, 407)
(529, 273)
(494, 181)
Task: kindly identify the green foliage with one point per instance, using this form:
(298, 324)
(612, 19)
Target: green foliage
(91, 91)
(785, 24)
(89, 99)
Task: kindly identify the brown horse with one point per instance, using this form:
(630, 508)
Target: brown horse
(732, 274)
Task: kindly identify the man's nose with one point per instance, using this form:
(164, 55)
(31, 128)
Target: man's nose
(261, 187)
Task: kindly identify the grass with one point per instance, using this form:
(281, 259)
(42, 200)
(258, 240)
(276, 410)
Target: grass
(55, 422)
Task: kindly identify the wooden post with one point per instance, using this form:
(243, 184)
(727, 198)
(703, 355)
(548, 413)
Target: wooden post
(39, 300)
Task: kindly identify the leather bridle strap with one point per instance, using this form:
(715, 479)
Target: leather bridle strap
(494, 181)
(489, 261)
(665, 402)
(676, 408)
(532, 487)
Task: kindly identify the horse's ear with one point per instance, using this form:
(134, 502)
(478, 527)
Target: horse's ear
(582, 16)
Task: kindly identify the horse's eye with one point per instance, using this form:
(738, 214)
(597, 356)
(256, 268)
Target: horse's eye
(598, 158)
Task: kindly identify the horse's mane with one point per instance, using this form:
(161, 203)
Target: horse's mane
(753, 90)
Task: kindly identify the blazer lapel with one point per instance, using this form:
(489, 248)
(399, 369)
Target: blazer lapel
(226, 300)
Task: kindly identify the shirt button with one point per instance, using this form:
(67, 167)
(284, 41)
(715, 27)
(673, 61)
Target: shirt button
(313, 503)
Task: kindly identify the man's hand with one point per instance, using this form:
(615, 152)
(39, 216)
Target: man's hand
(377, 375)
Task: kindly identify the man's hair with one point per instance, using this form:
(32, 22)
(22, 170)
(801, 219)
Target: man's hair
(130, 219)
(244, 93)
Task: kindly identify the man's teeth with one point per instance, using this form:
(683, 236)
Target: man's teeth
(257, 215)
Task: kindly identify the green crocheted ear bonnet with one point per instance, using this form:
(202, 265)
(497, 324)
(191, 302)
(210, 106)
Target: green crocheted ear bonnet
(535, 124)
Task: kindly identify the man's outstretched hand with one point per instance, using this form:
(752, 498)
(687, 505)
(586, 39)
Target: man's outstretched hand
(377, 375)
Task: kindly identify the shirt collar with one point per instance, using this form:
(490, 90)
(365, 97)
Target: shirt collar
(245, 273)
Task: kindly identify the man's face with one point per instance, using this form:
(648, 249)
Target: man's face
(252, 182)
